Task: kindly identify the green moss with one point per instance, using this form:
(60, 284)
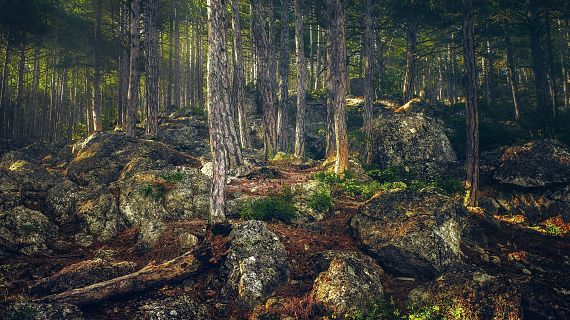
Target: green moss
(276, 207)
(152, 191)
(172, 177)
(399, 174)
(380, 309)
(29, 227)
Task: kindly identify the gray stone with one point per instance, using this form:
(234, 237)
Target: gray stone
(181, 307)
(409, 233)
(41, 311)
(256, 264)
(25, 230)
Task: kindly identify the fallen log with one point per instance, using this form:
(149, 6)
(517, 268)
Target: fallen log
(152, 275)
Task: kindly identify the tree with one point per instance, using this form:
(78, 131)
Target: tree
(368, 91)
(218, 107)
(134, 74)
(238, 82)
(337, 79)
(97, 123)
(283, 76)
(151, 82)
(265, 76)
(472, 117)
(301, 82)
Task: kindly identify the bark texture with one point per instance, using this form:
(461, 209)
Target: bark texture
(239, 79)
(134, 73)
(151, 83)
(301, 82)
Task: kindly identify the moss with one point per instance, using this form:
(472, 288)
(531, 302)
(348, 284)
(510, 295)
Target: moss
(284, 158)
(172, 177)
(448, 186)
(29, 227)
(155, 192)
(19, 165)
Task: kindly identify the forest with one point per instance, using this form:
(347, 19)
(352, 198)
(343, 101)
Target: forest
(284, 159)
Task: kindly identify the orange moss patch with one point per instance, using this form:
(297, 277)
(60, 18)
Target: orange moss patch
(513, 218)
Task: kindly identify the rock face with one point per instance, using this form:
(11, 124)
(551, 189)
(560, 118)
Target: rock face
(409, 233)
(82, 274)
(41, 311)
(350, 282)
(256, 265)
(25, 230)
(413, 141)
(188, 134)
(304, 200)
(471, 295)
(535, 164)
(176, 308)
(102, 157)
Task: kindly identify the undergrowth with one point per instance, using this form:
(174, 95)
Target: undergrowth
(274, 207)
(321, 201)
(380, 309)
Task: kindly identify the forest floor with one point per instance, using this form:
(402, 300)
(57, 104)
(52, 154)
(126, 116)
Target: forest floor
(302, 242)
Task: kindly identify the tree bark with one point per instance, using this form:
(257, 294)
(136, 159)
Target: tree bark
(176, 71)
(512, 78)
(152, 275)
(18, 108)
(338, 80)
(151, 82)
(239, 79)
(368, 92)
(124, 63)
(330, 147)
(283, 77)
(4, 91)
(472, 117)
(539, 67)
(265, 76)
(301, 82)
(97, 123)
(170, 66)
(218, 104)
(134, 74)
(409, 79)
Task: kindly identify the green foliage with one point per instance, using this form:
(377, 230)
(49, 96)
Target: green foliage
(172, 177)
(321, 201)
(284, 158)
(275, 207)
(29, 227)
(153, 191)
(352, 186)
(380, 309)
(377, 309)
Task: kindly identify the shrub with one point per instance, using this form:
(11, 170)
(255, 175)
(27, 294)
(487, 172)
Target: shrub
(276, 207)
(406, 179)
(153, 191)
(321, 201)
(172, 177)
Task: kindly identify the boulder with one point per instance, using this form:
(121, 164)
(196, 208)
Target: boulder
(415, 234)
(182, 307)
(187, 134)
(148, 198)
(102, 157)
(308, 199)
(470, 295)
(256, 265)
(350, 282)
(61, 201)
(413, 141)
(535, 164)
(82, 274)
(41, 311)
(98, 213)
(25, 230)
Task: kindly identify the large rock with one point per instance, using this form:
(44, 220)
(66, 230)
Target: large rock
(256, 265)
(102, 157)
(535, 164)
(82, 274)
(409, 233)
(470, 295)
(25, 230)
(350, 282)
(413, 141)
(181, 307)
(148, 198)
(41, 311)
(187, 133)
(98, 213)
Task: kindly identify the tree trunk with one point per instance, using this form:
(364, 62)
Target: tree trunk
(368, 92)
(538, 64)
(283, 77)
(411, 40)
(239, 79)
(318, 82)
(218, 103)
(124, 64)
(301, 82)
(98, 125)
(338, 81)
(265, 76)
(552, 85)
(489, 78)
(18, 108)
(4, 92)
(330, 146)
(151, 81)
(512, 78)
(176, 71)
(472, 117)
(152, 275)
(564, 56)
(170, 66)
(134, 74)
